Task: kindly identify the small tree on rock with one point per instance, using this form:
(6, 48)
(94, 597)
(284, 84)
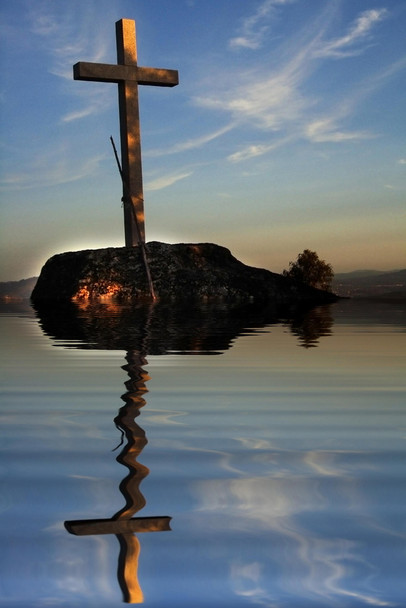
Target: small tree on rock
(309, 269)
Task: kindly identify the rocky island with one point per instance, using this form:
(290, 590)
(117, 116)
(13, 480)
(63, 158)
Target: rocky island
(181, 271)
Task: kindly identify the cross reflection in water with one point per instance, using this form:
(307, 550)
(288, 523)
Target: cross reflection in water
(123, 524)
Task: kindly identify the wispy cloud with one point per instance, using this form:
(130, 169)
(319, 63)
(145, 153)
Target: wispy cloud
(359, 31)
(267, 102)
(66, 37)
(77, 114)
(66, 40)
(166, 180)
(50, 169)
(94, 99)
(44, 24)
(249, 152)
(402, 161)
(257, 150)
(278, 100)
(326, 130)
(190, 144)
(254, 28)
(323, 130)
(271, 97)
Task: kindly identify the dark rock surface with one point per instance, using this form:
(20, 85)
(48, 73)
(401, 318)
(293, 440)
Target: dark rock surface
(181, 271)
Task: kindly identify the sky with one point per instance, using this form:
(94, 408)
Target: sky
(286, 131)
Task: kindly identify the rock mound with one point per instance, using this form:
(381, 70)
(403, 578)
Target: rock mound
(180, 271)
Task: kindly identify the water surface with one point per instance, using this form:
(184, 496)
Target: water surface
(261, 454)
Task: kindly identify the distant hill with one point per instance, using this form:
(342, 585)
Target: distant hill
(371, 284)
(17, 290)
(360, 273)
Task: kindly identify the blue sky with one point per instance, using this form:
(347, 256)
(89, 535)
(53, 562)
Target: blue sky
(286, 132)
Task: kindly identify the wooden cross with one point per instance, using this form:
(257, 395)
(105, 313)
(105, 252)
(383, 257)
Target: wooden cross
(128, 76)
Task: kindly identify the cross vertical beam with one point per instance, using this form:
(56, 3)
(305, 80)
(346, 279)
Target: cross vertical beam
(128, 76)
(130, 136)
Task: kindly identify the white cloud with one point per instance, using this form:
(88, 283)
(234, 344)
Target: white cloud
(254, 27)
(94, 99)
(166, 180)
(325, 130)
(75, 115)
(358, 31)
(268, 102)
(248, 152)
(270, 97)
(52, 168)
(254, 150)
(278, 99)
(402, 161)
(190, 144)
(245, 579)
(44, 24)
(65, 39)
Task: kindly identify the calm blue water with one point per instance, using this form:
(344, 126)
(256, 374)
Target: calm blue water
(276, 445)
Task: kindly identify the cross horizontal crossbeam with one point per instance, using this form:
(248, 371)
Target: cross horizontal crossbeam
(106, 72)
